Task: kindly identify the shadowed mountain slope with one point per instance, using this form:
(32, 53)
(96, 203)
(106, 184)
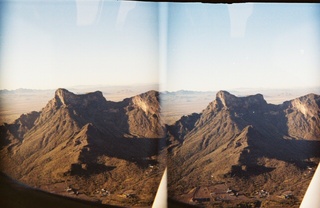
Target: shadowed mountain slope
(79, 139)
(248, 139)
(89, 145)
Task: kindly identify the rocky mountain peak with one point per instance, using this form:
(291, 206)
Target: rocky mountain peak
(65, 97)
(227, 100)
(148, 102)
(243, 139)
(83, 137)
(308, 105)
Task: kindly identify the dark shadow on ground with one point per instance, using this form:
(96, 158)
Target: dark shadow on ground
(176, 204)
(17, 195)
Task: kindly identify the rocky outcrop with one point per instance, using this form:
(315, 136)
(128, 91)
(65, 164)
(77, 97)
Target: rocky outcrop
(247, 138)
(226, 100)
(144, 118)
(84, 138)
(183, 126)
(303, 117)
(64, 97)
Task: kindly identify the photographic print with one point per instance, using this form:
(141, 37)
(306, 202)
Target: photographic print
(158, 104)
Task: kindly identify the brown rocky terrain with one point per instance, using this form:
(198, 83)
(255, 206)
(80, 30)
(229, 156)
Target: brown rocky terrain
(247, 145)
(87, 147)
(239, 151)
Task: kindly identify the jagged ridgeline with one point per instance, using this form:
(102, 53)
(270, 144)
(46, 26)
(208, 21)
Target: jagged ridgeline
(239, 151)
(82, 144)
(239, 146)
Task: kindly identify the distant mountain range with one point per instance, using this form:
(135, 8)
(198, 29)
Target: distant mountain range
(87, 147)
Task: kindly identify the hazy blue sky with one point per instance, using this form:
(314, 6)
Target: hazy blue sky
(243, 46)
(207, 46)
(49, 45)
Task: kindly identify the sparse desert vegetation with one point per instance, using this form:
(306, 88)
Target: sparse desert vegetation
(262, 154)
(236, 152)
(89, 144)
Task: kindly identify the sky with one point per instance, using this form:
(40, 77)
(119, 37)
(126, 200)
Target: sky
(190, 46)
(51, 45)
(243, 46)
